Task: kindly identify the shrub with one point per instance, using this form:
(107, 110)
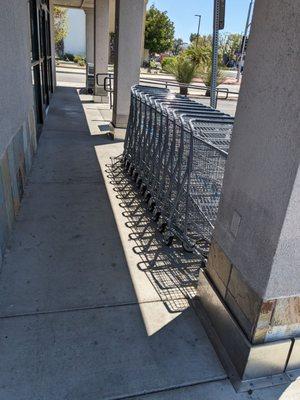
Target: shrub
(200, 55)
(79, 60)
(69, 57)
(154, 64)
(167, 63)
(184, 71)
(205, 75)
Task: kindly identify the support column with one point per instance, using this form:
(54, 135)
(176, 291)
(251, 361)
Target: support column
(89, 32)
(101, 47)
(143, 32)
(129, 33)
(52, 43)
(250, 291)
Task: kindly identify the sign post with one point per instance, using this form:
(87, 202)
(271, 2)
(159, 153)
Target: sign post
(219, 23)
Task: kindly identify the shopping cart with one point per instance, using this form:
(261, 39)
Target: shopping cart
(175, 150)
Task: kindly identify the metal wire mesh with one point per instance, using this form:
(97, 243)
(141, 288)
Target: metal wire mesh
(175, 149)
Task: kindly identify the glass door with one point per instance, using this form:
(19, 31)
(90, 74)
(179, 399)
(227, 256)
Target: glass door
(41, 58)
(35, 65)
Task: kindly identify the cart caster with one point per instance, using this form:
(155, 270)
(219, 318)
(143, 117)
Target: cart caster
(143, 189)
(135, 176)
(139, 182)
(131, 170)
(147, 196)
(122, 161)
(155, 214)
(168, 238)
(151, 205)
(187, 247)
(161, 225)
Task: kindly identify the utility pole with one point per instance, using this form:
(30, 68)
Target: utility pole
(248, 23)
(199, 22)
(218, 24)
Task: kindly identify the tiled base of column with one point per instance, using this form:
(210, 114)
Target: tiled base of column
(261, 320)
(15, 164)
(249, 366)
(101, 99)
(117, 133)
(260, 337)
(100, 96)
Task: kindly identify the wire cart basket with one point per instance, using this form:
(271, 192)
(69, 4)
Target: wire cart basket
(175, 150)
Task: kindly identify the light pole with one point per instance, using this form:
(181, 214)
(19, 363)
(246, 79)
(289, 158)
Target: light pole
(238, 76)
(199, 22)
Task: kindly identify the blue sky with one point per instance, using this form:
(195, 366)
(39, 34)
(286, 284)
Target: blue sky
(182, 12)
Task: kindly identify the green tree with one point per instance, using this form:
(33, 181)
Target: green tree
(229, 44)
(61, 28)
(193, 37)
(203, 40)
(177, 46)
(159, 31)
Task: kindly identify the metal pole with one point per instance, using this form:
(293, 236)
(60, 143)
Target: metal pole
(215, 46)
(199, 16)
(238, 76)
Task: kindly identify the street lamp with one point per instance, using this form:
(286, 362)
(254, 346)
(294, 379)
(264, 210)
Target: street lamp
(248, 24)
(199, 22)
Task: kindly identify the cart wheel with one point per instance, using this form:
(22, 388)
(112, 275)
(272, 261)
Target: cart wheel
(151, 205)
(161, 225)
(127, 165)
(155, 214)
(123, 161)
(168, 238)
(143, 189)
(130, 170)
(135, 175)
(187, 247)
(139, 182)
(147, 196)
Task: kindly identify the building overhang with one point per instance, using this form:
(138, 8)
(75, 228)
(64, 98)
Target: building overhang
(74, 3)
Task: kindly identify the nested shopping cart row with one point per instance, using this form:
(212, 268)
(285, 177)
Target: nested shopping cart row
(175, 150)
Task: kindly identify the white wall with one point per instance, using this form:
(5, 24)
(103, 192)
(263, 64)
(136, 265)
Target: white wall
(75, 41)
(16, 96)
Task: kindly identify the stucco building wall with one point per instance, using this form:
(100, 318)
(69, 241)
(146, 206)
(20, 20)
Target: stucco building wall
(17, 127)
(16, 95)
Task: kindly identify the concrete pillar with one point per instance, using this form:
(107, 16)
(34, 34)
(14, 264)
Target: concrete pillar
(52, 43)
(251, 288)
(89, 34)
(143, 33)
(101, 47)
(129, 33)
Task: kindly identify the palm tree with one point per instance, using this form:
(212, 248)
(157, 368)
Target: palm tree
(206, 74)
(200, 55)
(184, 71)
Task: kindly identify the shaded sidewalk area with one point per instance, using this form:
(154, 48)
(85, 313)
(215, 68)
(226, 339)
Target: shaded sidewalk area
(87, 312)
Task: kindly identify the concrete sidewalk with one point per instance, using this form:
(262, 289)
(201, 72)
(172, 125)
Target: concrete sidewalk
(84, 313)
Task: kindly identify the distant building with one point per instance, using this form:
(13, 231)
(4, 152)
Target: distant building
(75, 41)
